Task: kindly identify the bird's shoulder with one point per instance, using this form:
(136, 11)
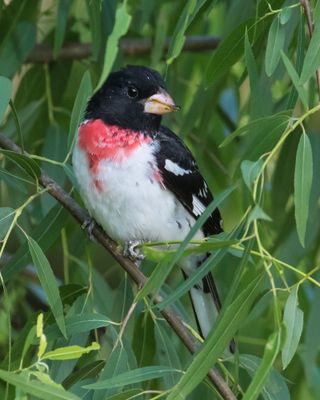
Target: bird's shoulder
(181, 175)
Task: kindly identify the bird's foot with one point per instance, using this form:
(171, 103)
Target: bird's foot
(131, 251)
(88, 225)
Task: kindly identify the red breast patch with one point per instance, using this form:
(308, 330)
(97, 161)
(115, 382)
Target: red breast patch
(103, 142)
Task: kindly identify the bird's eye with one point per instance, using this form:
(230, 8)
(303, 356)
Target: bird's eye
(132, 92)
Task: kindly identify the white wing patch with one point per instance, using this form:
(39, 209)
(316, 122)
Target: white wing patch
(198, 207)
(175, 168)
(204, 190)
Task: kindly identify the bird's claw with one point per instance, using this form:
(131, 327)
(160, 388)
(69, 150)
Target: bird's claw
(131, 251)
(88, 225)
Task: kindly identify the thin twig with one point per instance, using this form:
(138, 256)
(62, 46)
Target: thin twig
(43, 53)
(136, 275)
(307, 9)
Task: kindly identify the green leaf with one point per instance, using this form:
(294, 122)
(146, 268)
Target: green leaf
(133, 376)
(84, 322)
(285, 15)
(303, 175)
(29, 165)
(312, 58)
(275, 44)
(270, 353)
(178, 37)
(90, 370)
(259, 128)
(6, 218)
(228, 322)
(79, 106)
(250, 171)
(45, 233)
(70, 352)
(5, 90)
(154, 254)
(116, 364)
(48, 283)
(258, 213)
(295, 79)
(275, 387)
(161, 272)
(229, 51)
(60, 25)
(17, 48)
(293, 321)
(35, 388)
(121, 26)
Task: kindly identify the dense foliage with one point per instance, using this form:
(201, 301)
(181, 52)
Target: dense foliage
(249, 113)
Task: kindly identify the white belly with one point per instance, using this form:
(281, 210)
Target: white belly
(130, 204)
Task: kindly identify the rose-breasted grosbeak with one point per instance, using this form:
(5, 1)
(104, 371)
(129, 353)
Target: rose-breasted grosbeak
(137, 178)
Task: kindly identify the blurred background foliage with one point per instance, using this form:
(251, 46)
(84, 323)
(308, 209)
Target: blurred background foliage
(244, 74)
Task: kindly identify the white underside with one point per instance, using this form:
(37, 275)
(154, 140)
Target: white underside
(133, 205)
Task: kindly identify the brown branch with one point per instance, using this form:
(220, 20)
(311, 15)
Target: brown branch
(136, 275)
(307, 9)
(130, 46)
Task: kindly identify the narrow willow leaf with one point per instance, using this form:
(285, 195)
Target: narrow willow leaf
(6, 218)
(84, 322)
(79, 106)
(260, 127)
(293, 321)
(17, 48)
(60, 25)
(161, 272)
(155, 254)
(302, 185)
(5, 90)
(299, 61)
(275, 387)
(270, 353)
(250, 170)
(258, 213)
(90, 370)
(121, 26)
(95, 16)
(29, 165)
(134, 376)
(48, 283)
(179, 37)
(312, 58)
(46, 233)
(41, 336)
(275, 44)
(116, 364)
(227, 324)
(230, 50)
(257, 102)
(36, 388)
(285, 15)
(295, 80)
(70, 352)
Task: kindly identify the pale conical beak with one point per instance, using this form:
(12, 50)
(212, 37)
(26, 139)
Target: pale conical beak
(160, 103)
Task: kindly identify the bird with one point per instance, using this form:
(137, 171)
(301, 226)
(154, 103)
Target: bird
(138, 179)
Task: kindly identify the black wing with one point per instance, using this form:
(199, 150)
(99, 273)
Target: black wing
(181, 176)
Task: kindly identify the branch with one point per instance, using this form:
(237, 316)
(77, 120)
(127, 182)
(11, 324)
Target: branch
(136, 275)
(130, 46)
(307, 9)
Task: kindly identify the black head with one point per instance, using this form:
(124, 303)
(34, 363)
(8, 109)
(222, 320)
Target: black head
(134, 97)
